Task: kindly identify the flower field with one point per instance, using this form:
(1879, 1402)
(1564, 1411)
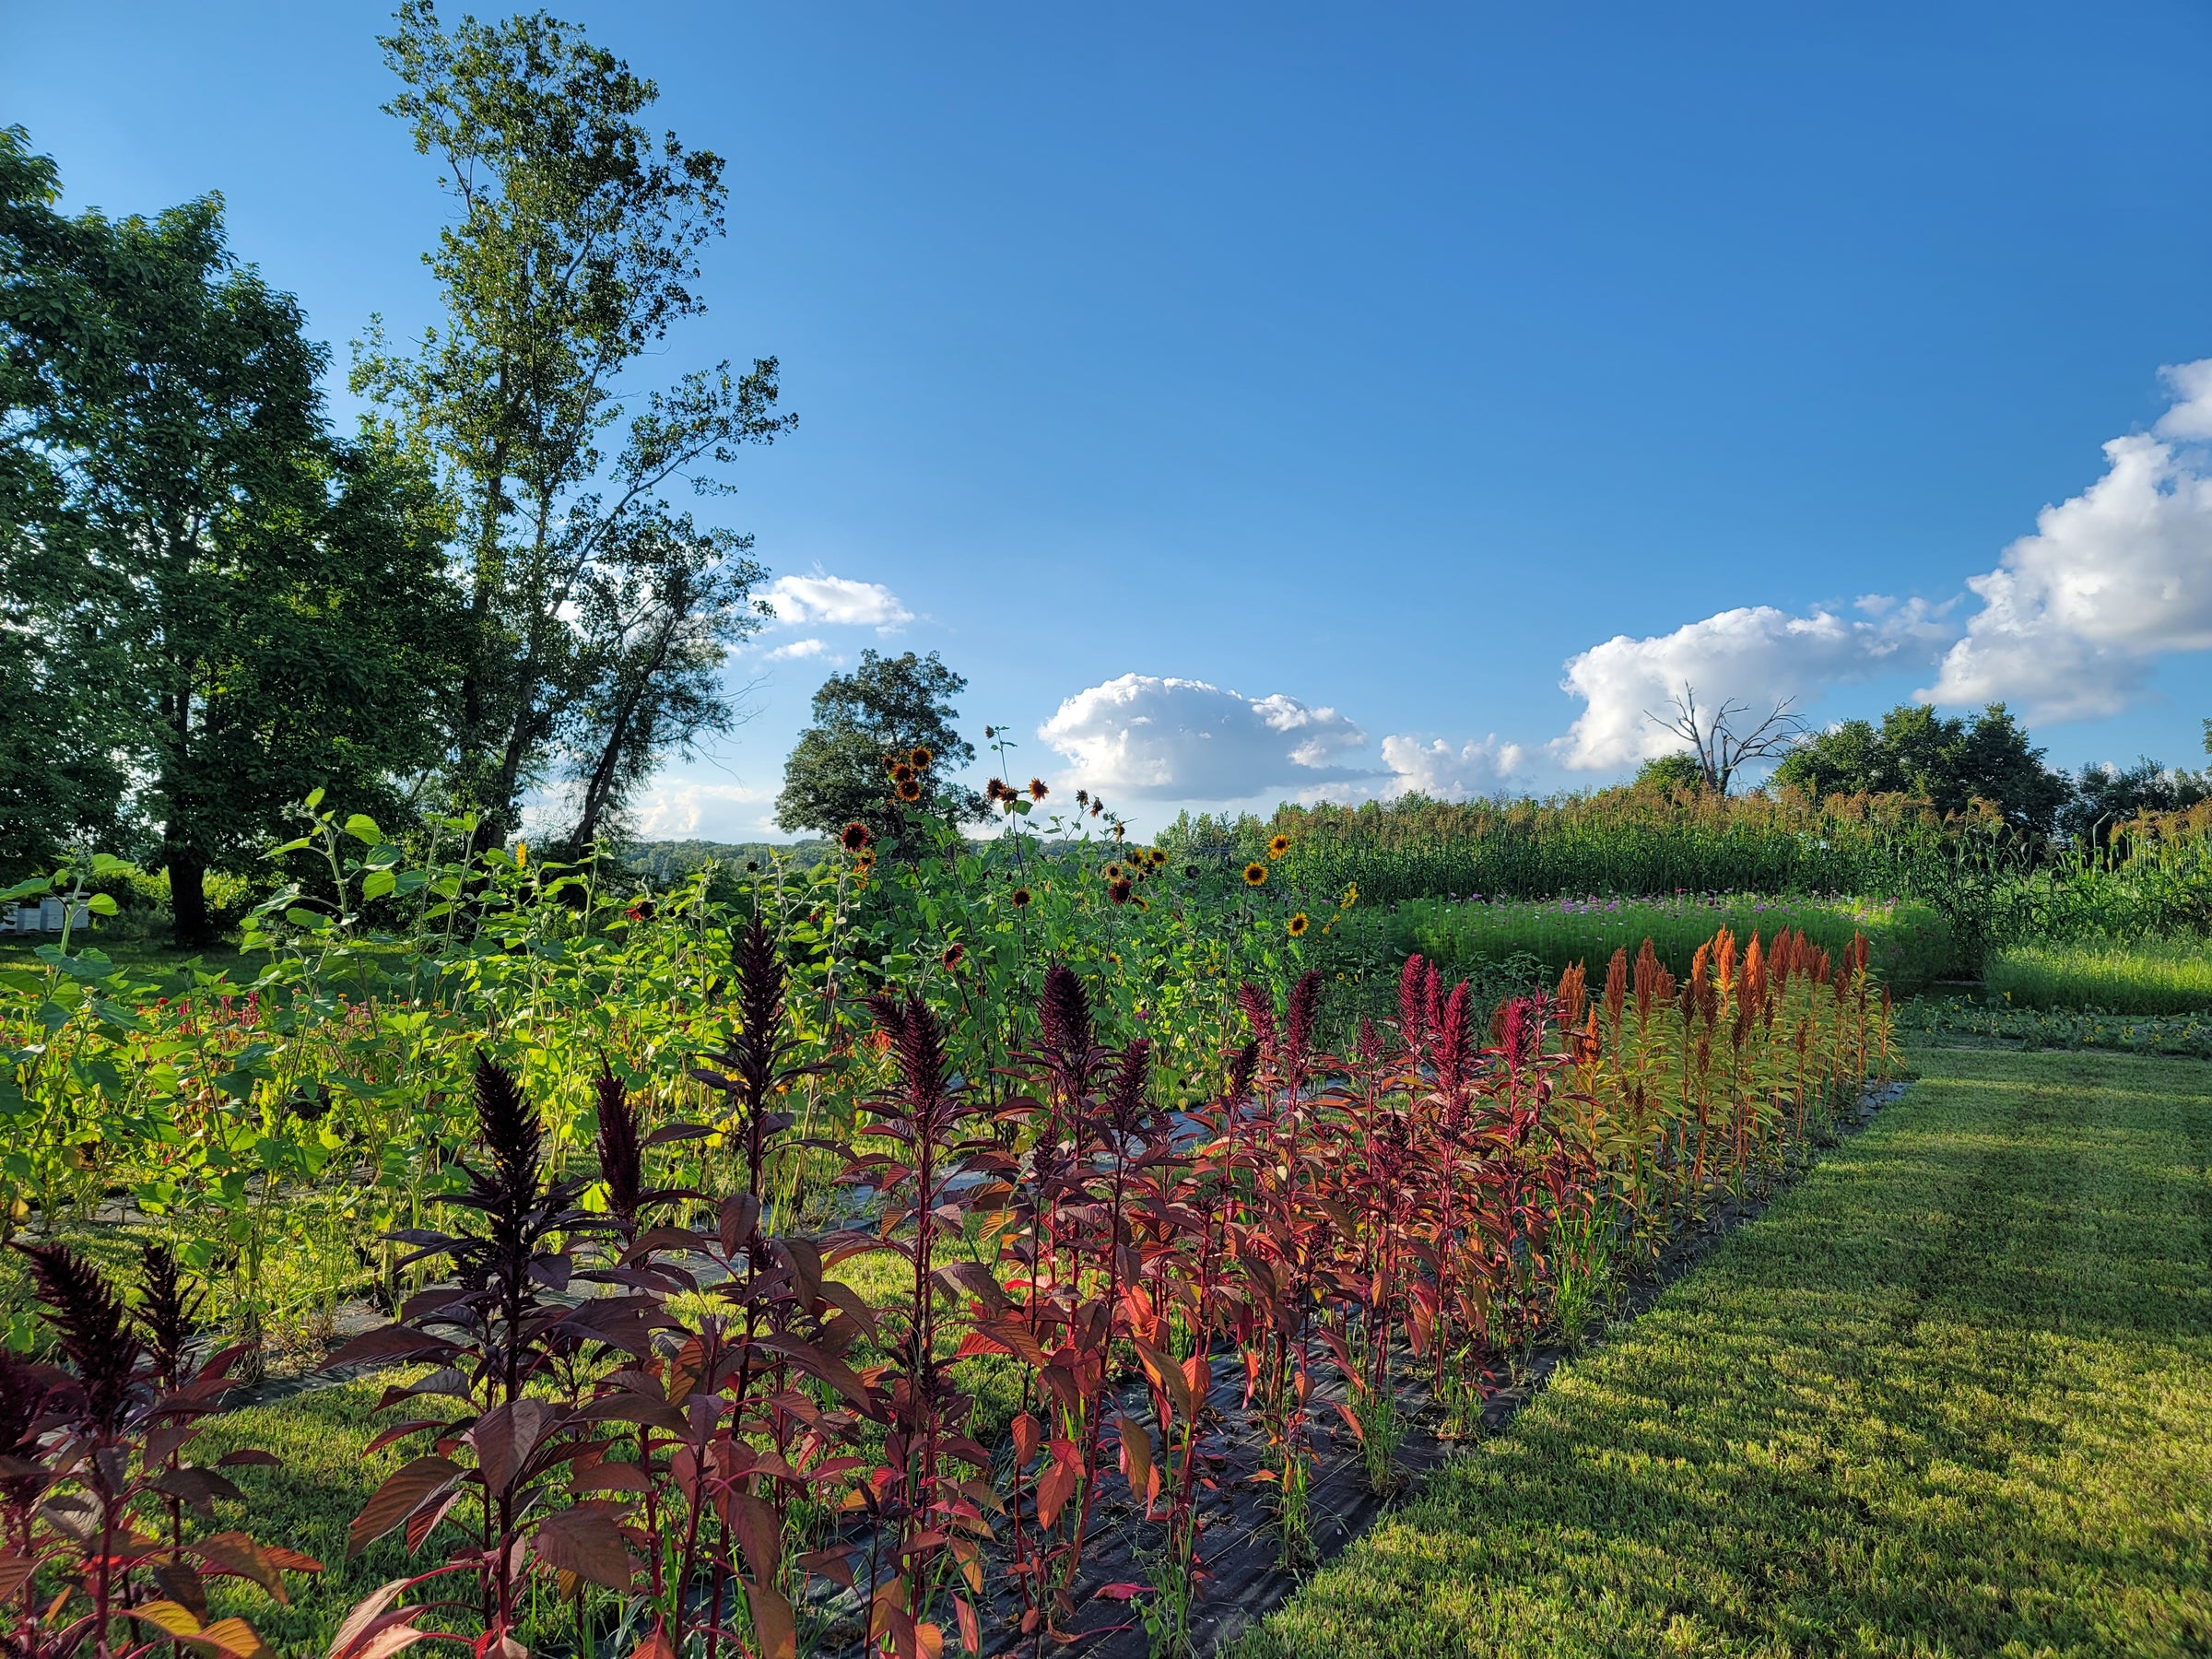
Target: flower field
(816, 1268)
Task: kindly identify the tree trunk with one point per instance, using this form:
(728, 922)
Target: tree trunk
(188, 899)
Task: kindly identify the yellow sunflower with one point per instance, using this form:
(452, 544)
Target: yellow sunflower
(1297, 926)
(1255, 873)
(1278, 846)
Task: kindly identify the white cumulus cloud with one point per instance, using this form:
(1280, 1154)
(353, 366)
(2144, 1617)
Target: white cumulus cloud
(1437, 770)
(2074, 614)
(1183, 739)
(796, 650)
(836, 601)
(1755, 654)
(680, 809)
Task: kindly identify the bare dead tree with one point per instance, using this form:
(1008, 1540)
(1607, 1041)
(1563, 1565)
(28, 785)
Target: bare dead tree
(1716, 745)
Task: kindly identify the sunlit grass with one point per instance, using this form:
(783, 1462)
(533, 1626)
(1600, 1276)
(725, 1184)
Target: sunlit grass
(1952, 1396)
(2153, 977)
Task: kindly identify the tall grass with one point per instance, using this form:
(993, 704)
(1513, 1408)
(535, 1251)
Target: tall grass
(2146, 977)
(1615, 841)
(1910, 947)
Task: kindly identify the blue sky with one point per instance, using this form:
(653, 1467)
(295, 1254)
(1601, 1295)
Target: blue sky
(1372, 365)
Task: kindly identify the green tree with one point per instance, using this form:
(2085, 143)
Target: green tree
(838, 773)
(656, 624)
(64, 762)
(1944, 760)
(2107, 797)
(574, 249)
(1670, 773)
(261, 604)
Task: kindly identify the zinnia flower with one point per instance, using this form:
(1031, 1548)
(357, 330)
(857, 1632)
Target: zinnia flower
(1278, 846)
(857, 836)
(1256, 875)
(1297, 926)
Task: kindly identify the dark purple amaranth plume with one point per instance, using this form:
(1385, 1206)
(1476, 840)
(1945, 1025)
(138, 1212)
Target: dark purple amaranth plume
(93, 1330)
(506, 1331)
(621, 1151)
(110, 1423)
(167, 1313)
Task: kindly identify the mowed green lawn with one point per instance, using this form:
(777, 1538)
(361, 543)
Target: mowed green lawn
(1953, 1395)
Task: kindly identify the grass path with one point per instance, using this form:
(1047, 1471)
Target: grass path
(1953, 1395)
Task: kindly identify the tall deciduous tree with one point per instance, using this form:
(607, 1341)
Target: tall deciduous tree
(63, 772)
(865, 720)
(1946, 760)
(574, 249)
(261, 602)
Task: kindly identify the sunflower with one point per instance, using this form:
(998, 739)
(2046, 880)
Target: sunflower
(902, 773)
(1297, 926)
(1255, 873)
(857, 836)
(1160, 858)
(866, 858)
(996, 791)
(1021, 897)
(1144, 904)
(910, 791)
(1113, 872)
(1038, 790)
(1190, 872)
(953, 953)
(1278, 846)
(1119, 891)
(919, 757)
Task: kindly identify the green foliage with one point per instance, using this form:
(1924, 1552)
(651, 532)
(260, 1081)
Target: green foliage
(1670, 771)
(879, 714)
(596, 614)
(1910, 947)
(2105, 800)
(1616, 842)
(258, 608)
(1948, 1396)
(1946, 761)
(1976, 1020)
(2150, 977)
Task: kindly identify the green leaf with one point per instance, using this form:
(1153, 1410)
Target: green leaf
(101, 904)
(314, 797)
(378, 883)
(362, 828)
(28, 888)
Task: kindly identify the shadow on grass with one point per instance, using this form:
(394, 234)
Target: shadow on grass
(1951, 1395)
